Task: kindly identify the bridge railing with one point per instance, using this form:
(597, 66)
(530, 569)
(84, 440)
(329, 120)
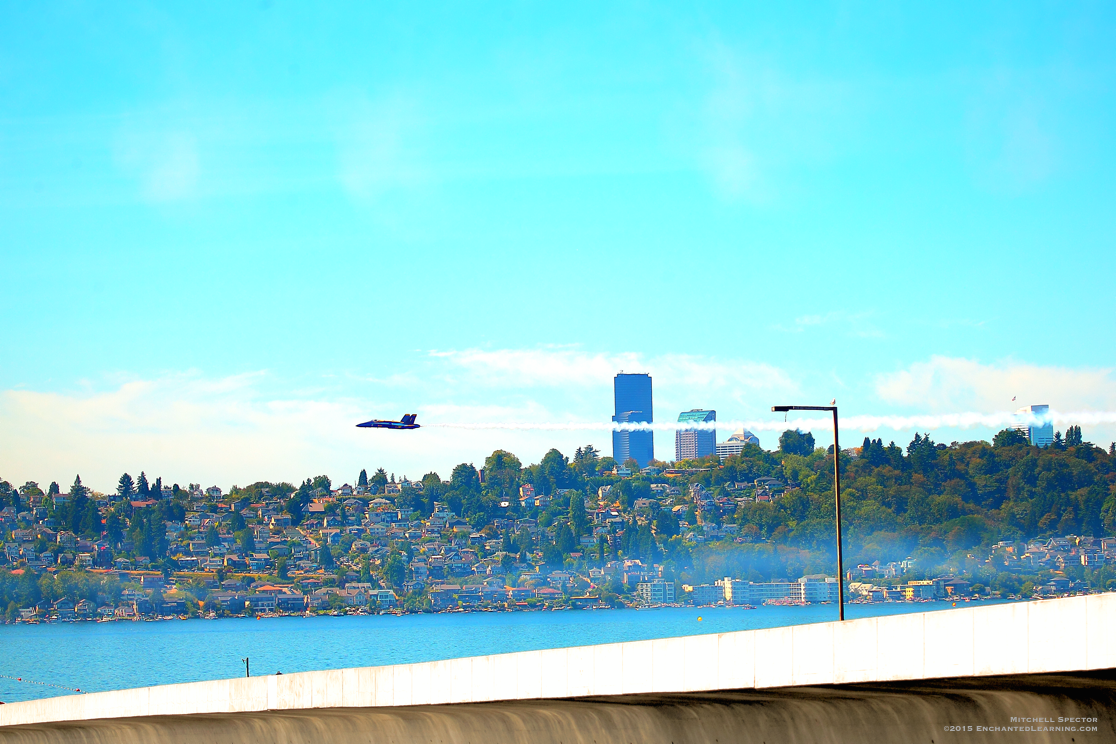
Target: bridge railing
(1060, 635)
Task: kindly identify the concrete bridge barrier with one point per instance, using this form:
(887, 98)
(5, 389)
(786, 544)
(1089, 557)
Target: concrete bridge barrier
(991, 663)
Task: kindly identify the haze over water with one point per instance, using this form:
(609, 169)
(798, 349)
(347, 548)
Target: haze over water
(96, 657)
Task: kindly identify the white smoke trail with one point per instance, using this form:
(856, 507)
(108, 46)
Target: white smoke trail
(924, 422)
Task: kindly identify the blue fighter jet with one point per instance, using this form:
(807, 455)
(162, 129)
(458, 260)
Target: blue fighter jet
(407, 422)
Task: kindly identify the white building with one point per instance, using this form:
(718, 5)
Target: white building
(736, 442)
(815, 588)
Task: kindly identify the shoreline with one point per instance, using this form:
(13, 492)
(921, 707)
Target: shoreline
(508, 610)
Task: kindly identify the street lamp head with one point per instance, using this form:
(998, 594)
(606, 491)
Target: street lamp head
(780, 409)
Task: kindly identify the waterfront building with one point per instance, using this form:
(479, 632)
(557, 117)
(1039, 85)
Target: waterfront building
(656, 592)
(736, 443)
(690, 444)
(633, 404)
(1039, 433)
(706, 594)
(813, 588)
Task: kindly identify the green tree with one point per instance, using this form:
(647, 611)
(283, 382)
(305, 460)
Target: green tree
(394, 570)
(564, 539)
(211, 536)
(1009, 438)
(552, 555)
(796, 442)
(501, 475)
(587, 460)
(578, 519)
(246, 541)
(1073, 437)
(666, 524)
(114, 528)
(377, 482)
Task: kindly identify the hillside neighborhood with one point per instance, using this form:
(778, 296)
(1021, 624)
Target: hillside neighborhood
(585, 533)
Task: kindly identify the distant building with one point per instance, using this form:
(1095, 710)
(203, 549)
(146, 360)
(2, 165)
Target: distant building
(736, 443)
(655, 592)
(814, 588)
(690, 444)
(706, 594)
(632, 397)
(1040, 433)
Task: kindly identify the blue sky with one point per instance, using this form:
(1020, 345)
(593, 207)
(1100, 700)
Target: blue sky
(225, 231)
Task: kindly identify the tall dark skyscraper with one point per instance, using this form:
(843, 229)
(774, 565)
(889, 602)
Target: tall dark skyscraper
(632, 395)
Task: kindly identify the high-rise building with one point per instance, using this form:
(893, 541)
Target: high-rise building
(690, 444)
(736, 442)
(1040, 433)
(632, 396)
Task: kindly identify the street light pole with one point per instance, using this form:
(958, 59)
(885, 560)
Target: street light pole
(836, 495)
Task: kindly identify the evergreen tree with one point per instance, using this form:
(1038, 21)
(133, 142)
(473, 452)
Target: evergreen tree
(8, 495)
(54, 490)
(378, 481)
(362, 479)
(125, 488)
(564, 539)
(114, 528)
(578, 519)
(143, 490)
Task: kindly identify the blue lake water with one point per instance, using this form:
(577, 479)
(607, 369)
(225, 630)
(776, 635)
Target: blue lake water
(109, 656)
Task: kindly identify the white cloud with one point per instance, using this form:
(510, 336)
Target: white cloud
(186, 427)
(956, 384)
(1083, 396)
(182, 427)
(189, 428)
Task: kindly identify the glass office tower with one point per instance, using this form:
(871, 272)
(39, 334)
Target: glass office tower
(632, 395)
(690, 444)
(1041, 432)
